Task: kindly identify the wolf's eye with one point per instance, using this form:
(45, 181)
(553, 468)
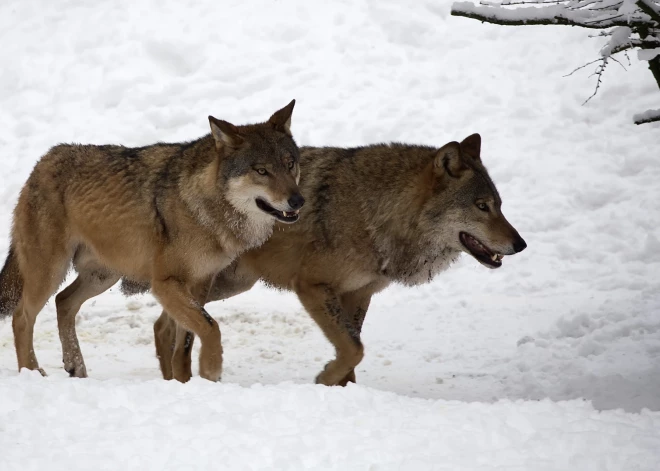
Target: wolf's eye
(261, 171)
(482, 206)
(291, 165)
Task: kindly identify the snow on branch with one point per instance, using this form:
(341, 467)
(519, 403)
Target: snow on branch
(648, 116)
(650, 8)
(593, 14)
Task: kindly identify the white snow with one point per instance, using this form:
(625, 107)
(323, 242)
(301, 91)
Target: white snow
(122, 424)
(620, 36)
(551, 362)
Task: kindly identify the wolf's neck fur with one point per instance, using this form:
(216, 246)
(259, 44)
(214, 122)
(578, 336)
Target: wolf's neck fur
(206, 201)
(411, 251)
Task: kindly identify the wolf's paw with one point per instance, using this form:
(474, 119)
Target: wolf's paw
(184, 377)
(320, 379)
(330, 376)
(349, 378)
(74, 365)
(212, 374)
(76, 371)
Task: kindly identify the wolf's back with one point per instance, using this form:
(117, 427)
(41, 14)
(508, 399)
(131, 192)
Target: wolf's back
(11, 285)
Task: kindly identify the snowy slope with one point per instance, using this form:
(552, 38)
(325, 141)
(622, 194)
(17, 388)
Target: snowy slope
(574, 317)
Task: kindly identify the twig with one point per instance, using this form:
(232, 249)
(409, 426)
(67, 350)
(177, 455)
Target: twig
(603, 20)
(619, 62)
(523, 2)
(583, 66)
(599, 73)
(608, 7)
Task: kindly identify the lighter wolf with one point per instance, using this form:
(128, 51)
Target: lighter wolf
(166, 215)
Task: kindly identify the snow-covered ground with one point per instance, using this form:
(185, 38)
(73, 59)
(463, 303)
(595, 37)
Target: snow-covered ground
(551, 362)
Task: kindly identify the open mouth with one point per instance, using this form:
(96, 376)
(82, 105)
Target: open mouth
(479, 251)
(284, 216)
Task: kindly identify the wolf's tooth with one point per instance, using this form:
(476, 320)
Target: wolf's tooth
(494, 257)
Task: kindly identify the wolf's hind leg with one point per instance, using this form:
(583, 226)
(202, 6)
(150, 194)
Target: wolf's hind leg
(42, 275)
(23, 327)
(325, 307)
(165, 336)
(89, 283)
(173, 348)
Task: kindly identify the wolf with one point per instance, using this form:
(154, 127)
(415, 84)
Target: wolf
(376, 215)
(166, 215)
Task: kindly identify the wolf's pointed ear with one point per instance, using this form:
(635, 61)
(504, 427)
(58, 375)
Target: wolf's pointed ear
(281, 119)
(225, 134)
(471, 146)
(448, 160)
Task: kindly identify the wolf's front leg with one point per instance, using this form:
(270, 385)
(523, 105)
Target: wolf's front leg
(190, 315)
(182, 355)
(325, 307)
(231, 281)
(92, 280)
(355, 305)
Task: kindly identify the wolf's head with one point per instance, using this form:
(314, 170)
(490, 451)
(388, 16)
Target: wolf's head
(467, 207)
(260, 166)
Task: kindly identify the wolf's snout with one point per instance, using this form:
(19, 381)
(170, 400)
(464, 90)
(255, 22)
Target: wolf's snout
(296, 201)
(519, 244)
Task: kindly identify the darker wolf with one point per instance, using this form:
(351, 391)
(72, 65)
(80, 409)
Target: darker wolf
(375, 215)
(168, 215)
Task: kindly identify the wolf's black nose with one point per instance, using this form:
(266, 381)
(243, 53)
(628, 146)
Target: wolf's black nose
(519, 245)
(296, 201)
